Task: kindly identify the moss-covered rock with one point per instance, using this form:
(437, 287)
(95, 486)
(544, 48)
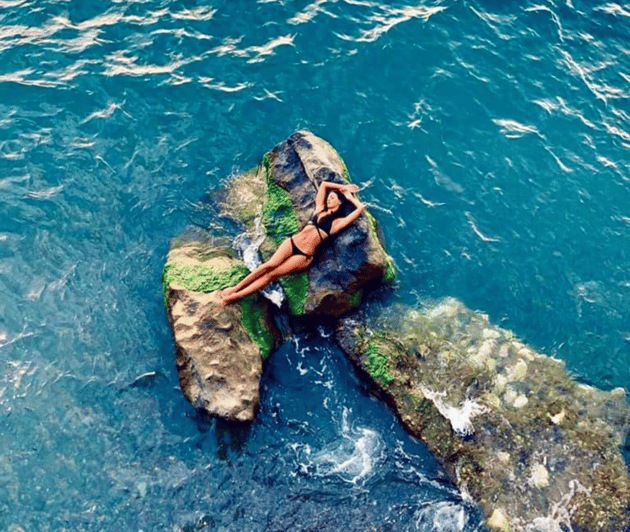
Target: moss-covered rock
(511, 426)
(219, 351)
(282, 192)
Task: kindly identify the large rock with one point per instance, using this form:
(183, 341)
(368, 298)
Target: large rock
(537, 450)
(219, 351)
(282, 192)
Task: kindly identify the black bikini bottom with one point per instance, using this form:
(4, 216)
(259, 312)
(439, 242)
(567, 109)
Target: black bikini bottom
(297, 251)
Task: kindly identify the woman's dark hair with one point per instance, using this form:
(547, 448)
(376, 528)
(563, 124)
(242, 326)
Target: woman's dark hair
(346, 206)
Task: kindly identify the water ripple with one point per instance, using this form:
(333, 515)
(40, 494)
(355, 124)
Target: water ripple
(393, 16)
(230, 47)
(490, 140)
(513, 129)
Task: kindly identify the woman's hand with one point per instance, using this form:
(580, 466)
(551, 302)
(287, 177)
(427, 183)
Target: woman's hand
(345, 189)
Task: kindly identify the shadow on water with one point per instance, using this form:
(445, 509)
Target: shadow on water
(322, 446)
(224, 439)
(231, 438)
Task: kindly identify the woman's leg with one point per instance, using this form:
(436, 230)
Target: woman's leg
(294, 263)
(281, 254)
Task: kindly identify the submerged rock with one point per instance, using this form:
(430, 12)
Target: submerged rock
(282, 192)
(219, 351)
(536, 449)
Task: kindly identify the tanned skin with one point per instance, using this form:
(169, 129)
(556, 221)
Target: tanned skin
(284, 261)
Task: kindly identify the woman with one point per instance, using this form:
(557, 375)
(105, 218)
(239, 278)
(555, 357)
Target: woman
(296, 253)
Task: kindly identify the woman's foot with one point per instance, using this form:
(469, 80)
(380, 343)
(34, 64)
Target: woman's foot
(228, 291)
(221, 300)
(224, 299)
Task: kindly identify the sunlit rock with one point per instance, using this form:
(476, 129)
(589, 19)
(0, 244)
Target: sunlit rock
(539, 477)
(219, 351)
(534, 447)
(557, 418)
(520, 401)
(281, 193)
(491, 333)
(498, 521)
(503, 457)
(518, 371)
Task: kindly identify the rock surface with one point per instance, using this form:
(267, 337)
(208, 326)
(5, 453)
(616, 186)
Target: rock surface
(219, 351)
(282, 191)
(536, 449)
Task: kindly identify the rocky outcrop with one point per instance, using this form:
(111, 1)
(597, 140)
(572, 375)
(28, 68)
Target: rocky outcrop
(536, 449)
(219, 351)
(281, 191)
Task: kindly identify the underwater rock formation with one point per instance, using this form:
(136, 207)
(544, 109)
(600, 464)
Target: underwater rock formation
(219, 352)
(282, 192)
(536, 449)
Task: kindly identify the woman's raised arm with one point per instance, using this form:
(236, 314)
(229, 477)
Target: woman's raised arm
(344, 222)
(325, 186)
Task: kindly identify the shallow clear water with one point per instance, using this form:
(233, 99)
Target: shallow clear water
(491, 141)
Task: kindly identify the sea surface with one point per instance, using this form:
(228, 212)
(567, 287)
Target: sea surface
(490, 139)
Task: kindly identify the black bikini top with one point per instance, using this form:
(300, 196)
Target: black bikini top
(325, 224)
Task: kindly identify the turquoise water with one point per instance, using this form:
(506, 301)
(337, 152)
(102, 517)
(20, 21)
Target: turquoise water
(490, 140)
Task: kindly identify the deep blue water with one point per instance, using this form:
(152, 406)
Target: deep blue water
(490, 139)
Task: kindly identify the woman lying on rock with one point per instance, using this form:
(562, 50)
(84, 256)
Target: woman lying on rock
(296, 253)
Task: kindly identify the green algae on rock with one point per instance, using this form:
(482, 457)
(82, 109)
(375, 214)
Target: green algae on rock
(200, 277)
(389, 277)
(281, 191)
(253, 195)
(536, 449)
(219, 351)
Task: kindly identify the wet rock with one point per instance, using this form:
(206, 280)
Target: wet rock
(539, 477)
(142, 488)
(282, 192)
(529, 443)
(498, 521)
(219, 351)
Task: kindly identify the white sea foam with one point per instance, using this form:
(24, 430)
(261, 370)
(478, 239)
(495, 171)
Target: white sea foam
(247, 245)
(559, 517)
(353, 456)
(442, 516)
(323, 333)
(460, 417)
(301, 369)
